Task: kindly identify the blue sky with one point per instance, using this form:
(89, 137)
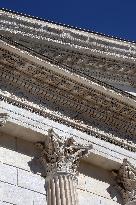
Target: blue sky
(111, 17)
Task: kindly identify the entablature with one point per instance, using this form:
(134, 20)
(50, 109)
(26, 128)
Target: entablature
(49, 90)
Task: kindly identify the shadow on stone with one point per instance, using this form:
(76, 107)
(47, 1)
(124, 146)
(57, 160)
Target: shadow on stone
(35, 166)
(115, 194)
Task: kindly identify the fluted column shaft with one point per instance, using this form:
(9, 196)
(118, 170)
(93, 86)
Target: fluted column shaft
(60, 159)
(61, 190)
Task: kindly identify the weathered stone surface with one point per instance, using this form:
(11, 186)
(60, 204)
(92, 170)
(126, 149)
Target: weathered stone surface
(31, 181)
(16, 152)
(20, 196)
(8, 174)
(14, 158)
(93, 199)
(93, 179)
(7, 141)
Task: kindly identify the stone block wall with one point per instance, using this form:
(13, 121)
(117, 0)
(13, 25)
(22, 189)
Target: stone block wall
(18, 184)
(97, 186)
(21, 182)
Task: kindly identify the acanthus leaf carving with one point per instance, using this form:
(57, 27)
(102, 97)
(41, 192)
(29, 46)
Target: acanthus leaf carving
(61, 156)
(126, 180)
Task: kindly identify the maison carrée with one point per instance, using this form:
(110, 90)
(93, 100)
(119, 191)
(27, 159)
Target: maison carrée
(67, 115)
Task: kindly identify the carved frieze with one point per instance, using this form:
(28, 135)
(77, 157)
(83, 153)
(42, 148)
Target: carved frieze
(59, 155)
(126, 180)
(79, 103)
(87, 65)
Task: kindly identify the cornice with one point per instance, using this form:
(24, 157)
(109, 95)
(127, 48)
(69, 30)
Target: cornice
(65, 25)
(63, 66)
(93, 54)
(13, 55)
(33, 27)
(67, 94)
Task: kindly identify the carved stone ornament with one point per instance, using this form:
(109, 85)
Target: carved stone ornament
(71, 103)
(61, 156)
(3, 118)
(126, 180)
(88, 54)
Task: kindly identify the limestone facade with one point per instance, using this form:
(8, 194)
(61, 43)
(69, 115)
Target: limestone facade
(22, 180)
(67, 115)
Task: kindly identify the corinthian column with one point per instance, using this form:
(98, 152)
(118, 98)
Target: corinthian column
(126, 180)
(60, 159)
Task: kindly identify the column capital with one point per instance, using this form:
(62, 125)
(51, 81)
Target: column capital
(60, 156)
(3, 118)
(126, 180)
